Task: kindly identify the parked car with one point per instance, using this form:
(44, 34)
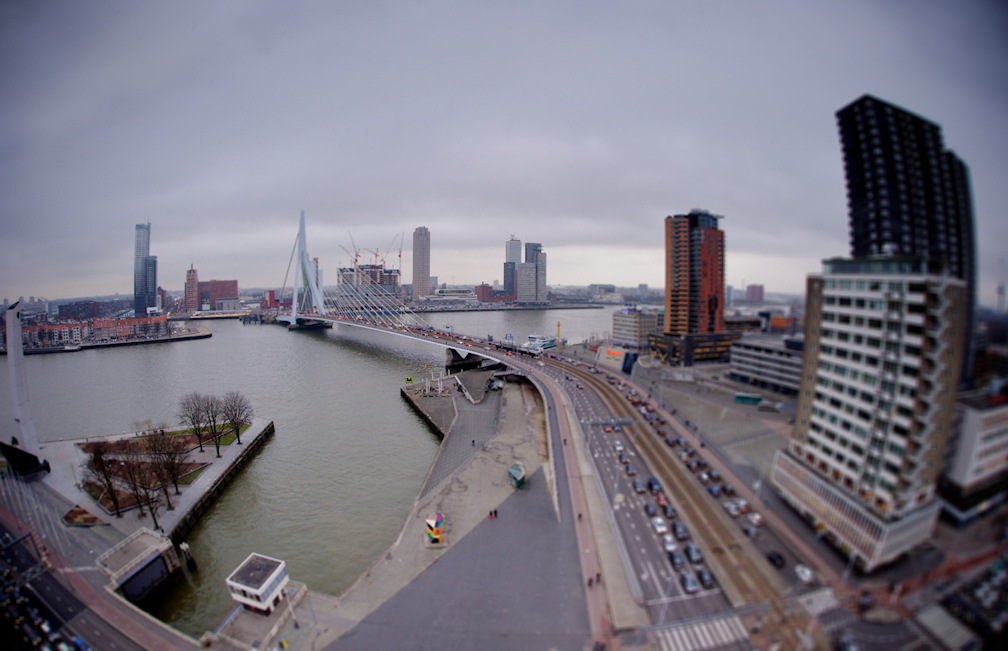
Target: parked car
(755, 519)
(650, 509)
(714, 475)
(742, 505)
(775, 559)
(676, 559)
(693, 553)
(689, 584)
(731, 508)
(659, 525)
(705, 577)
(714, 490)
(704, 478)
(728, 490)
(750, 532)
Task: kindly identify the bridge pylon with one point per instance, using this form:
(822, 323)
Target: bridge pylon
(307, 301)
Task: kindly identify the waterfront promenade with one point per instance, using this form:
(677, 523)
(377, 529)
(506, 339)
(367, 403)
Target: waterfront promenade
(71, 551)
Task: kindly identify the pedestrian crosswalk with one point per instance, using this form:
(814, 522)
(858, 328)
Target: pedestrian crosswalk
(823, 605)
(708, 634)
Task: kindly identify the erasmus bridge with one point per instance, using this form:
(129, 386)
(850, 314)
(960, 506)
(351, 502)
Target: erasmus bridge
(358, 300)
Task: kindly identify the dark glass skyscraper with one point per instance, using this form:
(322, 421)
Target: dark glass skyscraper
(908, 195)
(144, 272)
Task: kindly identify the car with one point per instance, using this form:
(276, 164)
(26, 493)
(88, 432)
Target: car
(630, 470)
(705, 577)
(661, 499)
(623, 457)
(703, 478)
(731, 508)
(607, 429)
(804, 574)
(728, 490)
(693, 553)
(742, 505)
(669, 511)
(689, 584)
(650, 509)
(618, 445)
(702, 462)
(679, 530)
(658, 524)
(676, 559)
(638, 486)
(714, 475)
(668, 542)
(653, 485)
(750, 532)
(755, 519)
(776, 559)
(714, 490)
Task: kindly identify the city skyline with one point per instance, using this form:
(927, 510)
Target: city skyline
(580, 129)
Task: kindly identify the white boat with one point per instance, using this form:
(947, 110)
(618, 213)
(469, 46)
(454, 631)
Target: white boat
(536, 344)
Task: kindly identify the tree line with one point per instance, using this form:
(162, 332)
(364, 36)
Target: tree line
(146, 467)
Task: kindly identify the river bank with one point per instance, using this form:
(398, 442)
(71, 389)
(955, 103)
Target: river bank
(197, 332)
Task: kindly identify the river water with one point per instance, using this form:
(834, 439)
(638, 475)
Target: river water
(331, 491)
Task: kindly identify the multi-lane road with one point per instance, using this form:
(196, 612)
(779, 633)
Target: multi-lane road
(742, 575)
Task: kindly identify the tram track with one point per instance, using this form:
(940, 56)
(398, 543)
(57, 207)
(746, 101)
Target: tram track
(741, 577)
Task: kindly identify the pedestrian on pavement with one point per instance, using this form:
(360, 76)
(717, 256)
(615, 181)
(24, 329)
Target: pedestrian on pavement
(579, 517)
(598, 578)
(589, 582)
(495, 513)
(491, 514)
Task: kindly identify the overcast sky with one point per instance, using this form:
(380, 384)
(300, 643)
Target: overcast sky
(580, 125)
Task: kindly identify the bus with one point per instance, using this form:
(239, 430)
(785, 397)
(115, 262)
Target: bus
(748, 398)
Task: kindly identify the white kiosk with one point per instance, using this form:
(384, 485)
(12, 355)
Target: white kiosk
(259, 582)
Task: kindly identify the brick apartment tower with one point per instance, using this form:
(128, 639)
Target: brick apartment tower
(192, 303)
(694, 274)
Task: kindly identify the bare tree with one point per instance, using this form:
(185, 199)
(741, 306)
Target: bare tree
(213, 411)
(193, 415)
(133, 470)
(150, 493)
(237, 412)
(168, 457)
(101, 468)
(163, 465)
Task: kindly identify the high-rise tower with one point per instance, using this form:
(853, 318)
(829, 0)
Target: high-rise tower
(908, 195)
(421, 263)
(144, 272)
(694, 274)
(882, 346)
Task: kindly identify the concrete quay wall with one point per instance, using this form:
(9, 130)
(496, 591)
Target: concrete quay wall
(188, 519)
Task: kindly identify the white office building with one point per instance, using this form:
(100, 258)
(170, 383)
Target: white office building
(975, 477)
(632, 325)
(883, 341)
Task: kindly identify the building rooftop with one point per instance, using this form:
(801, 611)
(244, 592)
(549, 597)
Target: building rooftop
(254, 572)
